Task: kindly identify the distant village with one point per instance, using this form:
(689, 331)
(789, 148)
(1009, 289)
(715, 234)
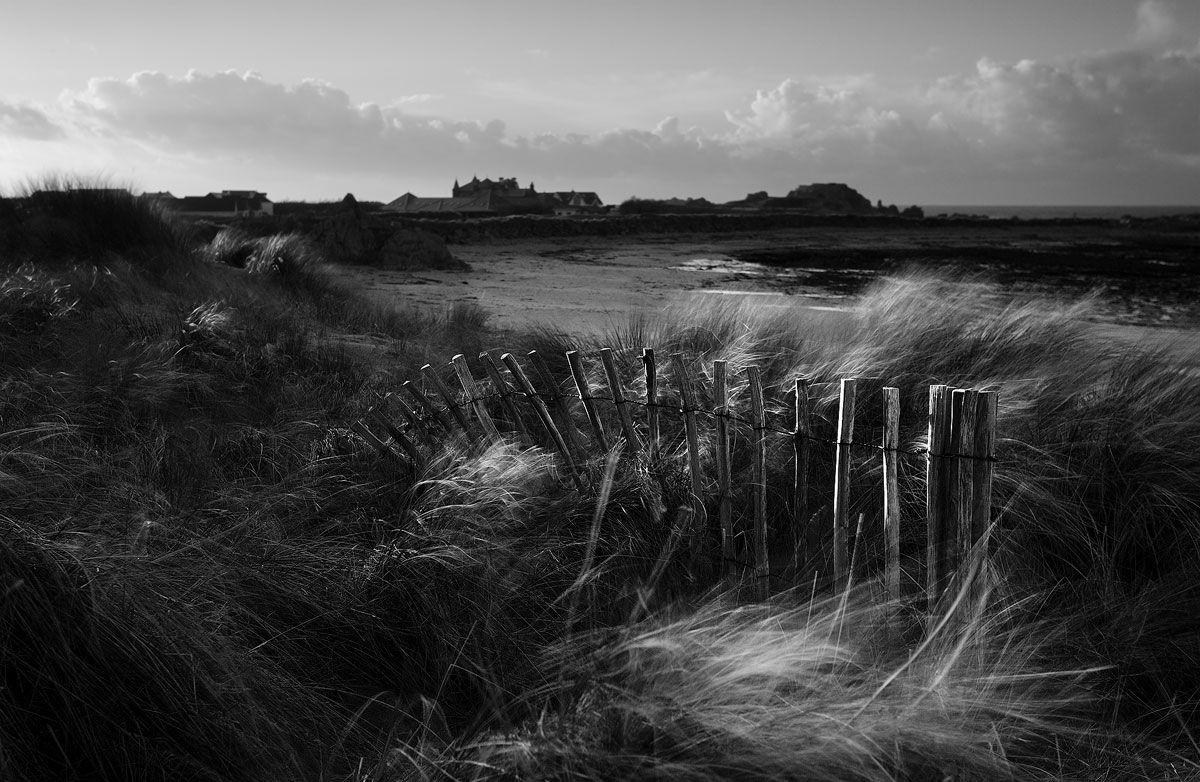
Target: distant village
(477, 198)
(505, 197)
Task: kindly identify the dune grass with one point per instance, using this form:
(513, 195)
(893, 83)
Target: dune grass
(205, 574)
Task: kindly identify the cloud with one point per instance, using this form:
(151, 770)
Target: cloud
(1157, 24)
(314, 123)
(27, 122)
(1131, 111)
(1122, 120)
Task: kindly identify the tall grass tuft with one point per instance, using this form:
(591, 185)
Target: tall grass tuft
(89, 218)
(791, 690)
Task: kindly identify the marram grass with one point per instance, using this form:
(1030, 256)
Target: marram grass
(207, 575)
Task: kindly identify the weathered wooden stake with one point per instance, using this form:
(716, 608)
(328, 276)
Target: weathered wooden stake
(432, 411)
(543, 414)
(619, 400)
(557, 401)
(410, 448)
(724, 500)
(802, 449)
(506, 395)
(410, 417)
(585, 395)
(652, 419)
(962, 502)
(982, 471)
(452, 404)
(472, 391)
(762, 562)
(363, 431)
(841, 481)
(985, 465)
(891, 491)
(693, 442)
(936, 512)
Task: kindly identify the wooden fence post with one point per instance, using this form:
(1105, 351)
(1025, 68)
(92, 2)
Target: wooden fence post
(432, 412)
(619, 400)
(693, 442)
(543, 413)
(506, 395)
(936, 513)
(962, 503)
(410, 448)
(585, 395)
(841, 481)
(452, 404)
(558, 403)
(985, 465)
(652, 425)
(472, 391)
(724, 500)
(801, 453)
(891, 491)
(409, 416)
(762, 562)
(982, 471)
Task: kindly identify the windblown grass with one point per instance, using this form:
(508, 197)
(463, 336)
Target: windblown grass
(206, 574)
(789, 690)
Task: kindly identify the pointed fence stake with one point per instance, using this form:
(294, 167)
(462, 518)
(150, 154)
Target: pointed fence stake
(962, 501)
(432, 411)
(891, 492)
(841, 481)
(452, 404)
(693, 442)
(410, 448)
(802, 449)
(506, 395)
(558, 402)
(762, 562)
(472, 391)
(619, 400)
(936, 498)
(652, 419)
(543, 413)
(585, 395)
(724, 500)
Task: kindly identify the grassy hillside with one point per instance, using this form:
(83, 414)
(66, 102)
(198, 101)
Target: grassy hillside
(207, 575)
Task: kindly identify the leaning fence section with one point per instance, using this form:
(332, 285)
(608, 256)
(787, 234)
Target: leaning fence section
(587, 413)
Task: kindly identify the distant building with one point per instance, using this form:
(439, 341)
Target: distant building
(504, 196)
(576, 203)
(227, 203)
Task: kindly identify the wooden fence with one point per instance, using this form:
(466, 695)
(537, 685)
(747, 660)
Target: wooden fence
(576, 418)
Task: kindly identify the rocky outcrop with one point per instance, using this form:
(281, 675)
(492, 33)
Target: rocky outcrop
(352, 236)
(831, 197)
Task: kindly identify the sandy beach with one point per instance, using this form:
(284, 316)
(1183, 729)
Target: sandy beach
(589, 285)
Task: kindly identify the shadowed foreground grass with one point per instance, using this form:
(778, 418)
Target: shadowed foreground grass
(205, 574)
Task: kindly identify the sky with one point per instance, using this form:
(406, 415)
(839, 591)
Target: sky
(1034, 102)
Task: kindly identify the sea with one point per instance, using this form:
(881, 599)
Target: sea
(995, 212)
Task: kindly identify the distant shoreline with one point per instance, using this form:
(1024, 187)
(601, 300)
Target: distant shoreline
(1057, 212)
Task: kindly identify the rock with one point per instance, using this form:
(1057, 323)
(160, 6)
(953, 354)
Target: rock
(415, 249)
(346, 238)
(831, 197)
